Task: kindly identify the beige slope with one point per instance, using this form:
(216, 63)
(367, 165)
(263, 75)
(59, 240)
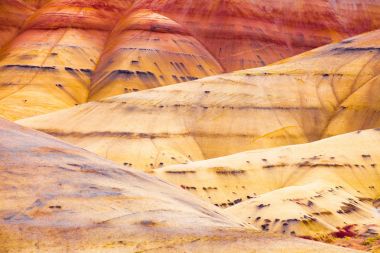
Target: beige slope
(313, 209)
(350, 160)
(327, 91)
(308, 190)
(55, 197)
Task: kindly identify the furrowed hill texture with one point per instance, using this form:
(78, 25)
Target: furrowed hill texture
(325, 92)
(245, 34)
(56, 54)
(147, 50)
(318, 186)
(48, 66)
(58, 198)
(12, 15)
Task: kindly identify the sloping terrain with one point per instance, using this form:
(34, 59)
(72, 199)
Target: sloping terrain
(12, 15)
(314, 210)
(68, 52)
(36, 3)
(349, 160)
(255, 160)
(149, 50)
(56, 197)
(244, 34)
(321, 93)
(310, 189)
(49, 65)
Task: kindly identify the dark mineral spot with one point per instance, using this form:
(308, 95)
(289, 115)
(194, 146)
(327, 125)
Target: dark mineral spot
(262, 206)
(55, 207)
(148, 223)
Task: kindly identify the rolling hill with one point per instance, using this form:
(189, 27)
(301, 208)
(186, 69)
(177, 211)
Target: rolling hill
(319, 187)
(325, 92)
(56, 197)
(57, 54)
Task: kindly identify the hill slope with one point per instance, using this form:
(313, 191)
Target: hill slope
(314, 210)
(244, 34)
(319, 187)
(72, 51)
(56, 197)
(349, 160)
(148, 50)
(321, 93)
(13, 13)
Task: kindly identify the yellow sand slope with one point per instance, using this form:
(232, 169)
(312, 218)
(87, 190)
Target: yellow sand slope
(56, 54)
(48, 66)
(55, 197)
(306, 189)
(148, 50)
(324, 92)
(315, 209)
(350, 160)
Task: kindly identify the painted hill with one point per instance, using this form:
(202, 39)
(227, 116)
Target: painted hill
(256, 160)
(149, 50)
(313, 210)
(68, 52)
(349, 160)
(244, 34)
(48, 66)
(319, 187)
(325, 92)
(56, 197)
(12, 15)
